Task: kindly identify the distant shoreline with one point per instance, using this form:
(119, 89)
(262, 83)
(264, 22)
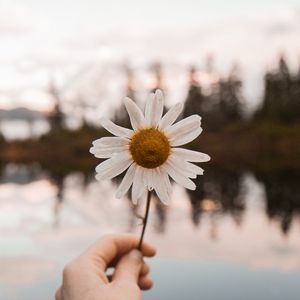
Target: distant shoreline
(258, 146)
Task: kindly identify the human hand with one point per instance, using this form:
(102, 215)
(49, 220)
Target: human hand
(85, 277)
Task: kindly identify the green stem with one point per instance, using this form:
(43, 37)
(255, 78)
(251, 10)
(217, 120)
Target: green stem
(145, 220)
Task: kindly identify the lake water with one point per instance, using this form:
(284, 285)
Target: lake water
(236, 237)
(21, 129)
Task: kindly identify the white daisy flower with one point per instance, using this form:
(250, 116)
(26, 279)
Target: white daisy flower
(149, 150)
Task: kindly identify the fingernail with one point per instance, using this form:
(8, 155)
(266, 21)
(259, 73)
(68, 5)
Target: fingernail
(136, 254)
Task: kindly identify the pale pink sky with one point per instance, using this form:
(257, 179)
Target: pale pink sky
(42, 38)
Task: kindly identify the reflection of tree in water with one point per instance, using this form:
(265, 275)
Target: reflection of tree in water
(20, 173)
(134, 217)
(2, 166)
(218, 191)
(58, 181)
(282, 196)
(87, 178)
(137, 211)
(160, 211)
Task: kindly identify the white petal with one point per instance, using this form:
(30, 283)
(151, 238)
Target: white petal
(194, 168)
(135, 114)
(108, 146)
(167, 183)
(113, 166)
(180, 179)
(170, 117)
(111, 142)
(183, 127)
(190, 155)
(116, 158)
(149, 179)
(154, 109)
(126, 182)
(138, 186)
(114, 171)
(180, 167)
(159, 185)
(105, 165)
(182, 164)
(115, 129)
(107, 152)
(148, 108)
(184, 139)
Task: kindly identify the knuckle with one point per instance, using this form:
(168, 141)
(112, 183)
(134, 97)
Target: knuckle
(130, 286)
(145, 269)
(134, 288)
(69, 269)
(58, 294)
(108, 237)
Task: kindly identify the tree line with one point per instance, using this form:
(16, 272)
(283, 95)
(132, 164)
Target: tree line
(220, 100)
(224, 104)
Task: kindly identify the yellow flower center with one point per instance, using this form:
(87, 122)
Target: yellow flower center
(149, 148)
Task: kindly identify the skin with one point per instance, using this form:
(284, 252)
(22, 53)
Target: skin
(85, 277)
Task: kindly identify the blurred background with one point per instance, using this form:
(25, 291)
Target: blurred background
(64, 64)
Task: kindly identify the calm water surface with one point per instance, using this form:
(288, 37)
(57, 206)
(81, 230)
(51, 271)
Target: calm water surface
(236, 237)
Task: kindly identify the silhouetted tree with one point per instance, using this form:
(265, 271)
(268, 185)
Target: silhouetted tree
(121, 116)
(56, 116)
(221, 104)
(195, 98)
(230, 97)
(281, 99)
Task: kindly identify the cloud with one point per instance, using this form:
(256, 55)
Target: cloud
(14, 18)
(65, 39)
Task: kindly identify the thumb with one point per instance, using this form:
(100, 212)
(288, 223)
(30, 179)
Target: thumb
(129, 267)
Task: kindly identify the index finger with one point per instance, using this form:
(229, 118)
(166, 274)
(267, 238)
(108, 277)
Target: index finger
(112, 247)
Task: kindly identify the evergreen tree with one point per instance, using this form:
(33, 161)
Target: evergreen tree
(281, 99)
(56, 117)
(121, 116)
(295, 98)
(195, 98)
(230, 97)
(221, 105)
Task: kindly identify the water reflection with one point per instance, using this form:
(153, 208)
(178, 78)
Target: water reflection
(219, 193)
(20, 174)
(59, 199)
(48, 217)
(282, 196)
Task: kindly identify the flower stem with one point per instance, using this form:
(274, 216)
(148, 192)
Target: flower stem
(145, 220)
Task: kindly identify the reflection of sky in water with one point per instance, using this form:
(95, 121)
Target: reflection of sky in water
(19, 129)
(40, 232)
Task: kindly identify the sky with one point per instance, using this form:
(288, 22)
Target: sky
(40, 39)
